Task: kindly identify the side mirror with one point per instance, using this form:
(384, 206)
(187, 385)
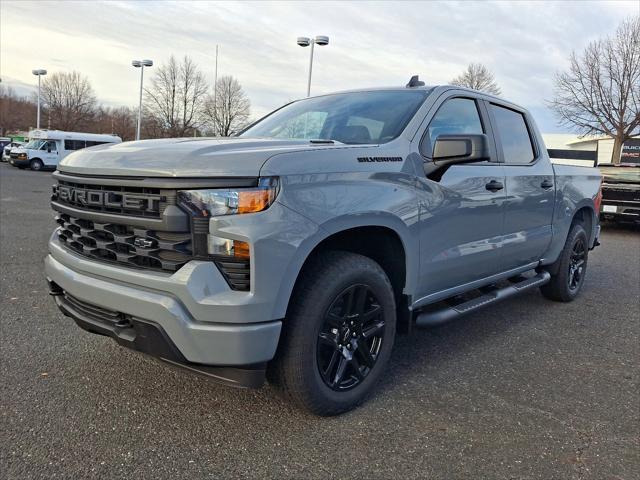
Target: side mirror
(465, 148)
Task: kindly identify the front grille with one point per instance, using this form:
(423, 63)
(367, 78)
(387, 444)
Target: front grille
(124, 244)
(626, 194)
(137, 226)
(119, 200)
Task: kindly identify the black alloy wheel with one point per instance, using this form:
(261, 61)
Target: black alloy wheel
(350, 338)
(568, 273)
(576, 264)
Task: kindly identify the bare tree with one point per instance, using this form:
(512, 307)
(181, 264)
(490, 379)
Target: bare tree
(68, 100)
(119, 121)
(477, 77)
(16, 113)
(176, 97)
(230, 110)
(600, 94)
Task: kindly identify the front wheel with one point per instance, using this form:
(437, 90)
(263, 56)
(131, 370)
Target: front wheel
(571, 267)
(338, 334)
(36, 164)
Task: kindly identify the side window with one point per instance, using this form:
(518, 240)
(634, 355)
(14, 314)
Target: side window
(74, 144)
(51, 146)
(455, 116)
(514, 136)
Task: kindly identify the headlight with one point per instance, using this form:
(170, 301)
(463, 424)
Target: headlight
(222, 201)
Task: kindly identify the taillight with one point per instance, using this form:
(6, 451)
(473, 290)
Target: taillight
(598, 200)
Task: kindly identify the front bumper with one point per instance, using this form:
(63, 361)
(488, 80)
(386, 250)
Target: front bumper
(19, 163)
(198, 343)
(620, 210)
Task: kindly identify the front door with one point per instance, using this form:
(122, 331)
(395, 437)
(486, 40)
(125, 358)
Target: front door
(49, 153)
(462, 208)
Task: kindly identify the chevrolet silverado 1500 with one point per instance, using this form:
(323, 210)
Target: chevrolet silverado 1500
(297, 250)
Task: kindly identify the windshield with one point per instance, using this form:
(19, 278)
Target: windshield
(34, 144)
(352, 118)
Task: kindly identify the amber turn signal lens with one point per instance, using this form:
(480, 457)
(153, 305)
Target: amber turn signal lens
(240, 249)
(250, 201)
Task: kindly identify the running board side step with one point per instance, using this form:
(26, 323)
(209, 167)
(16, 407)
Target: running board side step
(445, 314)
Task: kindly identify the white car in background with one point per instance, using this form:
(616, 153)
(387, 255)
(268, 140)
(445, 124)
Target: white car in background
(6, 151)
(47, 148)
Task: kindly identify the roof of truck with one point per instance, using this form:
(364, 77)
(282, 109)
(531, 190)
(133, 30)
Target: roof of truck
(426, 88)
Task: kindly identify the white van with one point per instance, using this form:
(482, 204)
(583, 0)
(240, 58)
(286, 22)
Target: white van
(47, 147)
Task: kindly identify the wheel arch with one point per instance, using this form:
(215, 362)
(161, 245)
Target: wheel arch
(587, 218)
(373, 239)
(584, 214)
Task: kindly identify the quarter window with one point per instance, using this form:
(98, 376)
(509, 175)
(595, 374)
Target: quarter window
(514, 136)
(74, 144)
(455, 116)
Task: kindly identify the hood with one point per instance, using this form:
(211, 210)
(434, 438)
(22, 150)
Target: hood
(182, 157)
(621, 174)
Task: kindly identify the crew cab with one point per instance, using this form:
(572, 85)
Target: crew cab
(299, 249)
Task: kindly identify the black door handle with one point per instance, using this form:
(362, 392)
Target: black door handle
(494, 186)
(546, 184)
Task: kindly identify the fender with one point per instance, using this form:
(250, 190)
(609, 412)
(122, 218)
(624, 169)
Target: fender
(339, 224)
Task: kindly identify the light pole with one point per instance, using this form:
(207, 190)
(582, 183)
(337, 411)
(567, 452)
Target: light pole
(305, 42)
(39, 73)
(141, 64)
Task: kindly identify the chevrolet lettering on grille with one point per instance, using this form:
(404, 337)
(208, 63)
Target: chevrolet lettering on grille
(99, 198)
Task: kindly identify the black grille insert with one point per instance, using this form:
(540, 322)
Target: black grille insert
(132, 246)
(236, 271)
(93, 311)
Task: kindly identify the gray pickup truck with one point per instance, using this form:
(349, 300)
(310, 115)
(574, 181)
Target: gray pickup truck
(297, 250)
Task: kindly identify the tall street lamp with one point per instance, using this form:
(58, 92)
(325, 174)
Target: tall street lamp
(305, 42)
(140, 64)
(39, 73)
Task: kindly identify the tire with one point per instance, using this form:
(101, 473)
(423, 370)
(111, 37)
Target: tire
(570, 268)
(323, 334)
(36, 165)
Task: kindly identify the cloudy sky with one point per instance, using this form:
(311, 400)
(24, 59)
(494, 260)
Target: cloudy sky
(371, 43)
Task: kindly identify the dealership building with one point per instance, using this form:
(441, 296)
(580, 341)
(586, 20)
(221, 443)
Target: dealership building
(600, 146)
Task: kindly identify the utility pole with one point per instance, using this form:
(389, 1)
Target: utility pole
(39, 72)
(140, 64)
(215, 96)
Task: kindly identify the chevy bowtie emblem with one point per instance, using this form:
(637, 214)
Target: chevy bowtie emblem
(144, 242)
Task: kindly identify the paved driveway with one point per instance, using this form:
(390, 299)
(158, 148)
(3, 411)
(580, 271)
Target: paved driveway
(527, 389)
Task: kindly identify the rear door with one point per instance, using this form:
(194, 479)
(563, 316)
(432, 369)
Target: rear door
(461, 208)
(530, 189)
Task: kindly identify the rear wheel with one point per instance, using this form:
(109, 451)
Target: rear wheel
(571, 267)
(337, 336)
(36, 164)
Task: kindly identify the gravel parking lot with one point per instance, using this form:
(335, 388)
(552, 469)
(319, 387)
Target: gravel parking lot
(527, 389)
